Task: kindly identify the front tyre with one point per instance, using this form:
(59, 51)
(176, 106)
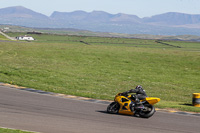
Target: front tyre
(113, 108)
(148, 111)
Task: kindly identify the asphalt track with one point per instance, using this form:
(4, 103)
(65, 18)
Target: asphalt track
(46, 113)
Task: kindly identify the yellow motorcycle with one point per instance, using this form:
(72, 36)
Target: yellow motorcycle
(125, 104)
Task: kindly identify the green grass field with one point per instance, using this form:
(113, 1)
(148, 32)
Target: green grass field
(4, 130)
(98, 67)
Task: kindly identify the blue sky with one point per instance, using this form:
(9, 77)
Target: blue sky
(141, 8)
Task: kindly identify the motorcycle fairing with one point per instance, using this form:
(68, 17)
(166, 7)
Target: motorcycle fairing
(125, 105)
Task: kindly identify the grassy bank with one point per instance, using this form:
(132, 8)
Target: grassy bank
(101, 67)
(4, 130)
(3, 37)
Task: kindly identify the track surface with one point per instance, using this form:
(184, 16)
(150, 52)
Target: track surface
(50, 114)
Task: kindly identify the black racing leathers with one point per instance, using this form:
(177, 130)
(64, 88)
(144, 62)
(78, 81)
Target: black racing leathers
(140, 93)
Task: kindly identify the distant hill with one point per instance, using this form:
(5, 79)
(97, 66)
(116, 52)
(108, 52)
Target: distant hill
(171, 23)
(21, 12)
(173, 18)
(22, 16)
(69, 31)
(95, 16)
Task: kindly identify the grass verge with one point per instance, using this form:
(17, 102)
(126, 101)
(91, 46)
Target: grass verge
(5, 130)
(3, 37)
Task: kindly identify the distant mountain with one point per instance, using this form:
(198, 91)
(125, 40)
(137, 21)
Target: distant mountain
(22, 16)
(171, 23)
(125, 18)
(76, 15)
(173, 18)
(20, 12)
(94, 17)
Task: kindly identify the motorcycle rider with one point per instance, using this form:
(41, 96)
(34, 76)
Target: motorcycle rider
(140, 94)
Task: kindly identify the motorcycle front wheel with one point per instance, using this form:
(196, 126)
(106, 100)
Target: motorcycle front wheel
(113, 108)
(148, 111)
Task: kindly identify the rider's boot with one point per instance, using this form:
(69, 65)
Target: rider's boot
(138, 104)
(138, 107)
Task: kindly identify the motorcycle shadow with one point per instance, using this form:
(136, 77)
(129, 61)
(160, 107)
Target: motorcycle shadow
(105, 112)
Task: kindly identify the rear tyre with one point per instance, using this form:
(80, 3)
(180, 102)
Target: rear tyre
(148, 111)
(113, 108)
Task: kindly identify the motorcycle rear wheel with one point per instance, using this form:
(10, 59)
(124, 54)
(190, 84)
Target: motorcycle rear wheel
(113, 108)
(148, 111)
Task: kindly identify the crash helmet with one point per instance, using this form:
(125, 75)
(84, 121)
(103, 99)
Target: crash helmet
(138, 87)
